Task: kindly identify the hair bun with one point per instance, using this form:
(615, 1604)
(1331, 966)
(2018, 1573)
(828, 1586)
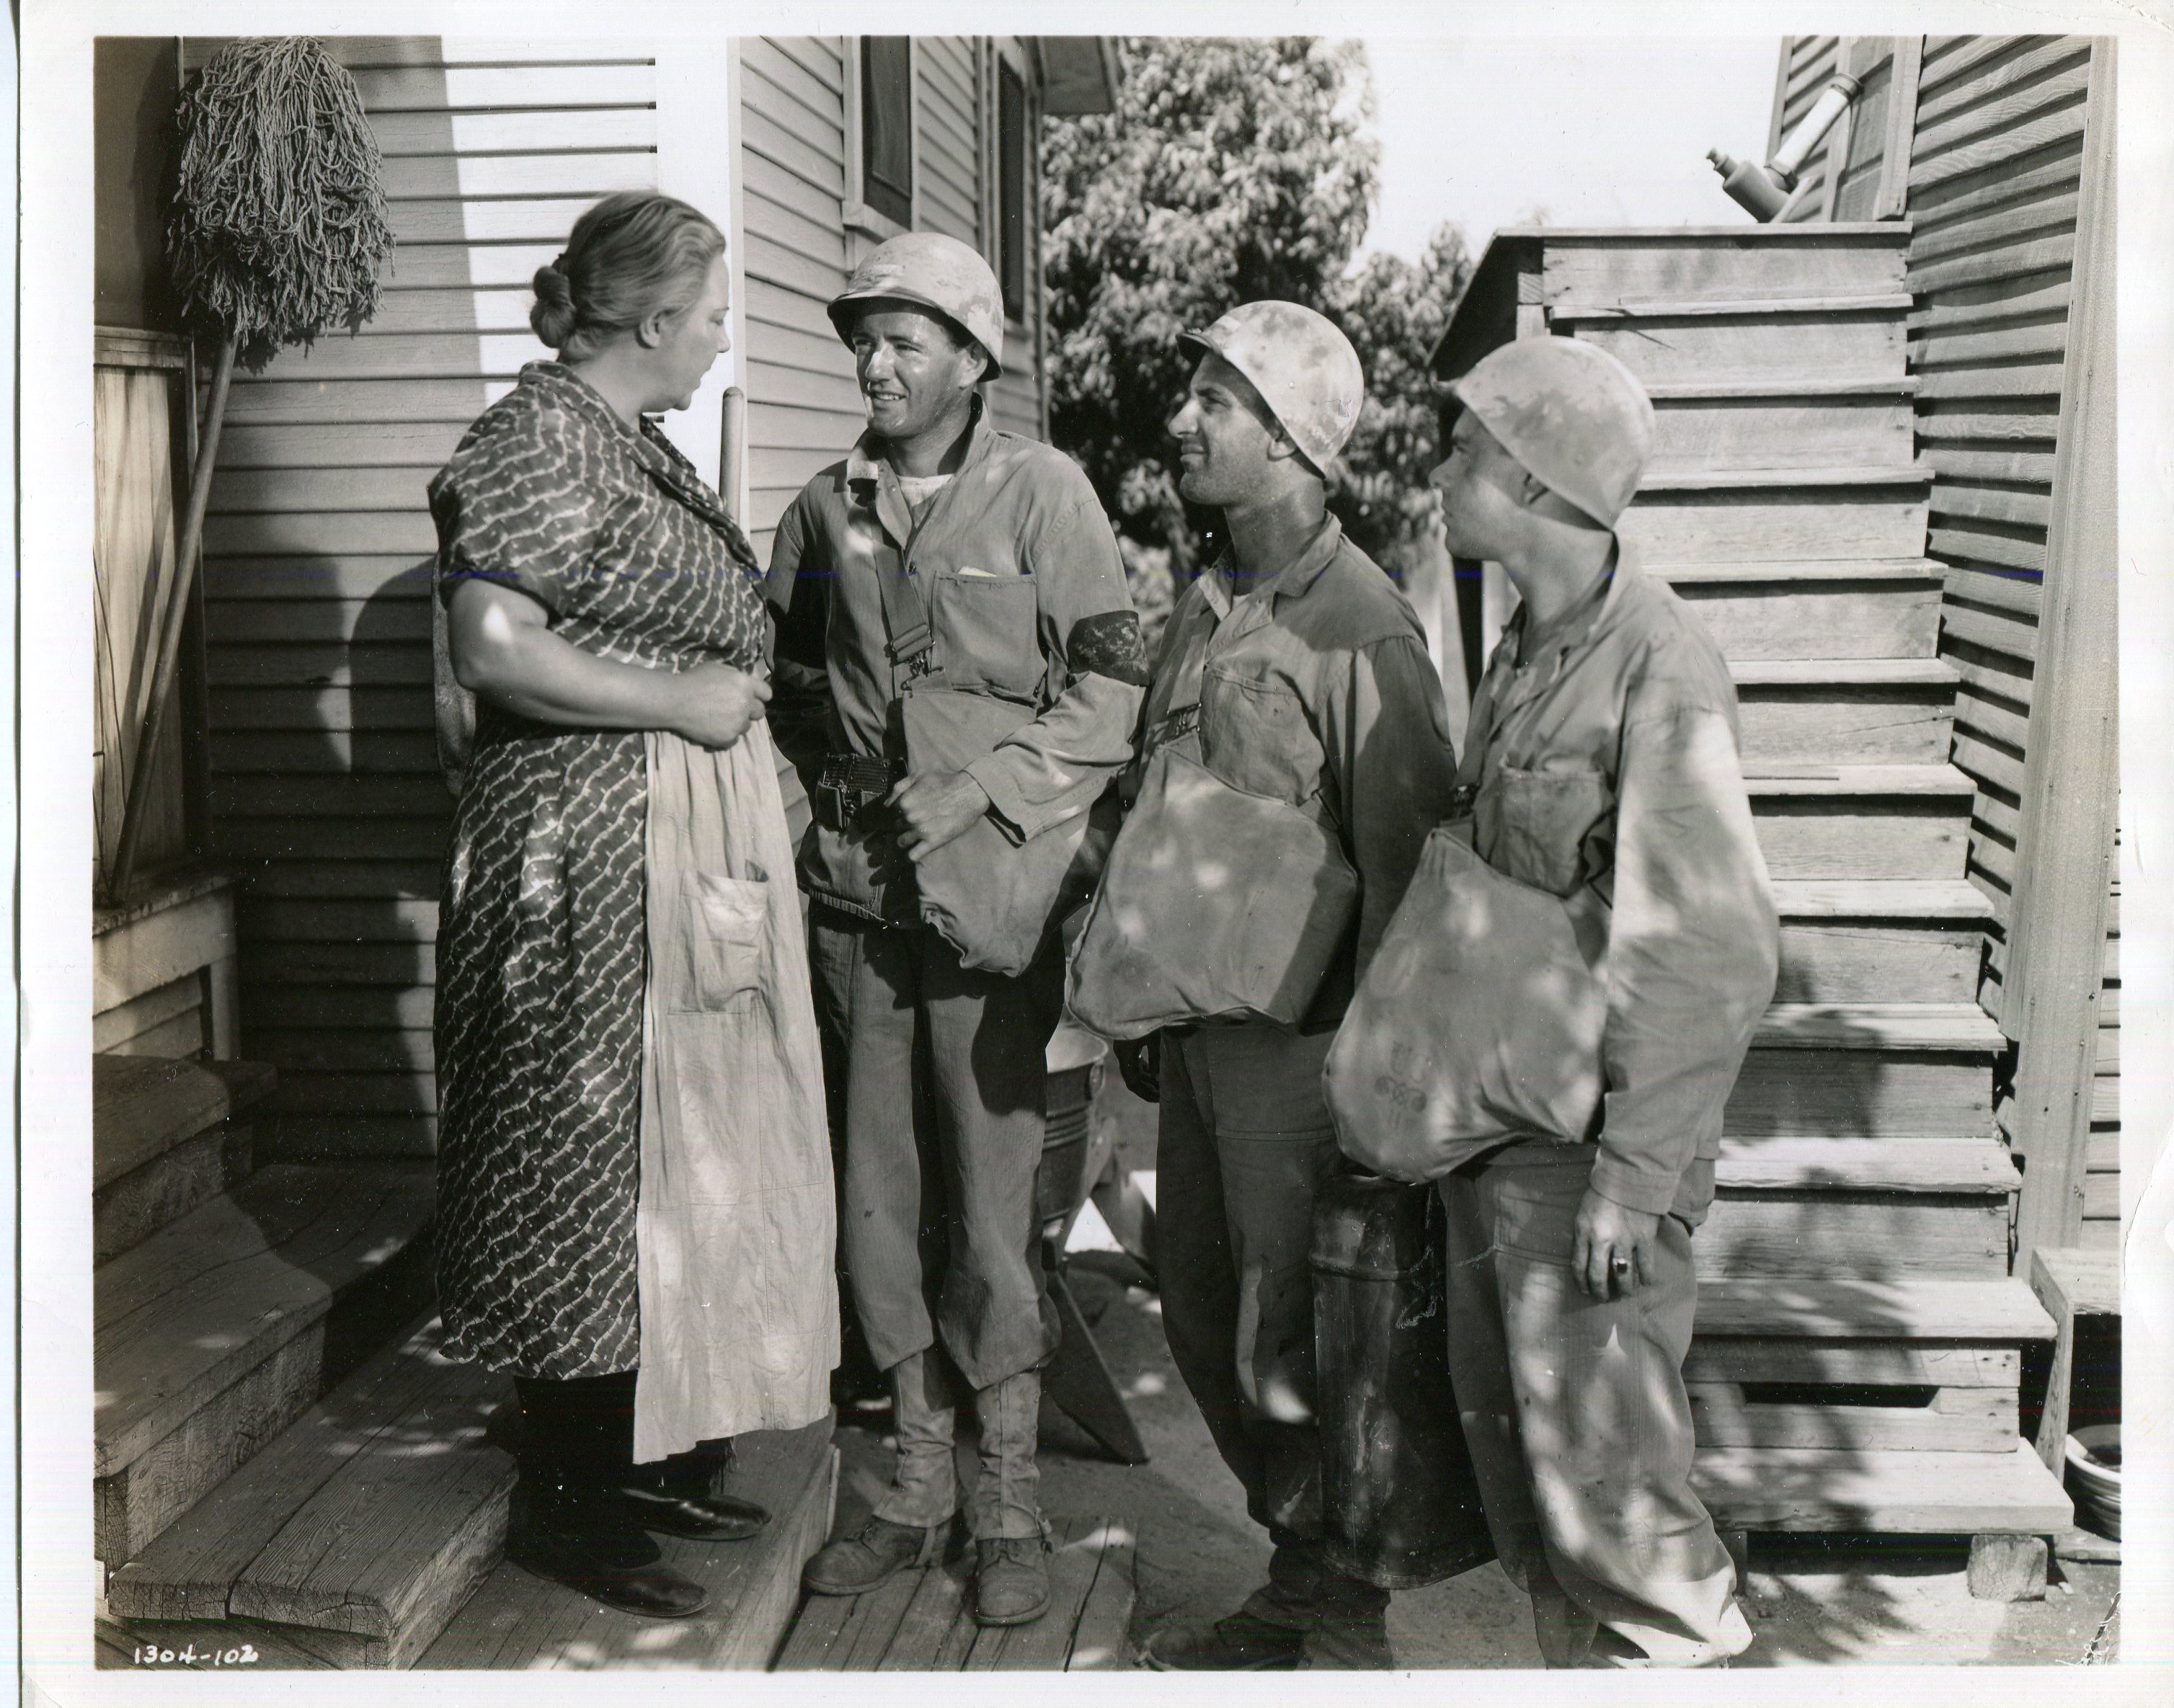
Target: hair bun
(553, 318)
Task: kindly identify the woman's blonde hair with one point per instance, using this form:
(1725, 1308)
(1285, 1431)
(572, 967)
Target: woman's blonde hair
(633, 254)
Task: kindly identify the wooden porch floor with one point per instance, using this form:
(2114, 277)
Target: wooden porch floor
(920, 1621)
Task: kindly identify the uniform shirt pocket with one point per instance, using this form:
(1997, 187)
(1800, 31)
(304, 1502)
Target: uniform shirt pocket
(726, 922)
(988, 631)
(1255, 735)
(1534, 825)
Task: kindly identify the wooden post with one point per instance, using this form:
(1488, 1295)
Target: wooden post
(177, 611)
(1893, 199)
(2056, 917)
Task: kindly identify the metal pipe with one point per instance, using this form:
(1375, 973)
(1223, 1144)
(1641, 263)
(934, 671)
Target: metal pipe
(1768, 193)
(731, 448)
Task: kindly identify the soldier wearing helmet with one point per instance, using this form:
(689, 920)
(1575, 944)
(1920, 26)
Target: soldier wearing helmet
(1602, 754)
(1293, 671)
(959, 673)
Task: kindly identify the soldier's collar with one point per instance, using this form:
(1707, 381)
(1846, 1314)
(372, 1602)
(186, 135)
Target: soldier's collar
(865, 460)
(1292, 582)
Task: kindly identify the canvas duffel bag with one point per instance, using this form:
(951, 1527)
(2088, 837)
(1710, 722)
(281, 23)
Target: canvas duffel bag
(1479, 1019)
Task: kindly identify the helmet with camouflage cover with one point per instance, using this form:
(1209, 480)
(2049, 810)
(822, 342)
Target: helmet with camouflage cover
(1570, 414)
(927, 270)
(1304, 370)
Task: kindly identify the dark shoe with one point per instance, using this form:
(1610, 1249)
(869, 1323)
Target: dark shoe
(1239, 1643)
(878, 1550)
(682, 1508)
(571, 1540)
(1011, 1579)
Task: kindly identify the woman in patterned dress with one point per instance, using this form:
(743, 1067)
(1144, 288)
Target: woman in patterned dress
(599, 604)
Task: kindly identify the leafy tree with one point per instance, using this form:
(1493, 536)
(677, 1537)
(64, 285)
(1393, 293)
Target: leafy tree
(1231, 170)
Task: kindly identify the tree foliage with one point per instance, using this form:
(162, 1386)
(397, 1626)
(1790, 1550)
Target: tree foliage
(1232, 169)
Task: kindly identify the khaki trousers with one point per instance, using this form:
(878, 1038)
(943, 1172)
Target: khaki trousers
(1244, 1142)
(1580, 1428)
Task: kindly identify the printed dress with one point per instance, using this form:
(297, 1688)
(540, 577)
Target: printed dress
(542, 962)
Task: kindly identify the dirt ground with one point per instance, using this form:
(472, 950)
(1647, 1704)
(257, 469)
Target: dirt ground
(1809, 1603)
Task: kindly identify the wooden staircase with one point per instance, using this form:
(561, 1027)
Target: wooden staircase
(287, 1468)
(1859, 1334)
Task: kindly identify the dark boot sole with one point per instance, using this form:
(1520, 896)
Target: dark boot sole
(1026, 1619)
(596, 1592)
(815, 1588)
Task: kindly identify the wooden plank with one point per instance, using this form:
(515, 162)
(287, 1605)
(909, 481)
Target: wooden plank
(1946, 1166)
(135, 1504)
(1865, 1308)
(2039, 379)
(1872, 837)
(432, 90)
(1076, 1558)
(1918, 1026)
(202, 1302)
(332, 838)
(417, 444)
(156, 1007)
(2059, 82)
(1752, 347)
(1829, 960)
(2036, 220)
(1768, 311)
(283, 402)
(1988, 761)
(1910, 1493)
(1891, 196)
(2008, 298)
(1837, 1230)
(334, 1009)
(200, 1647)
(134, 1207)
(143, 1107)
(574, 129)
(1766, 525)
(1099, 1639)
(456, 220)
(1966, 499)
(2041, 340)
(1859, 432)
(1800, 619)
(1851, 900)
(1948, 57)
(1792, 723)
(1704, 265)
(2067, 793)
(340, 1137)
(1851, 1363)
(1969, 1421)
(406, 753)
(310, 1091)
(1850, 1093)
(2014, 262)
(1995, 420)
(937, 1610)
(359, 1437)
(2036, 466)
(1986, 544)
(2014, 596)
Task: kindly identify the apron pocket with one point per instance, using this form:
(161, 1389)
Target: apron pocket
(725, 920)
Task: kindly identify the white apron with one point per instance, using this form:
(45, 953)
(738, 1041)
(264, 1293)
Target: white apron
(735, 1226)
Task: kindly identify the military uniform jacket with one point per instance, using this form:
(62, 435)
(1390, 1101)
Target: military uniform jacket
(1026, 597)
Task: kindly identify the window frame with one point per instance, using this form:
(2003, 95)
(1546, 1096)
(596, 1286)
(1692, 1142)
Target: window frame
(857, 214)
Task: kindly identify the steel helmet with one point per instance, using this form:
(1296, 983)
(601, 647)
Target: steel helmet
(1570, 414)
(1304, 370)
(926, 269)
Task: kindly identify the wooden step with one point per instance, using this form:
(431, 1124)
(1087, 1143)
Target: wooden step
(1862, 821)
(1865, 425)
(1710, 263)
(920, 1621)
(359, 1531)
(141, 1106)
(517, 1622)
(1815, 1208)
(1814, 609)
(1846, 941)
(1767, 341)
(127, 1211)
(1784, 515)
(1846, 1070)
(1894, 1492)
(218, 1331)
(1887, 711)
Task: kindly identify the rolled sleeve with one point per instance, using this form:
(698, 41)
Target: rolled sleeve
(1050, 769)
(1396, 772)
(1693, 950)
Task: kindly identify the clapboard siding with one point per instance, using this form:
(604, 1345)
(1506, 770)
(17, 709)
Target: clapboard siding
(803, 407)
(325, 781)
(1995, 170)
(2102, 1161)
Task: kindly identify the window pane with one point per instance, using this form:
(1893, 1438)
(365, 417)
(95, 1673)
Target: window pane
(1012, 236)
(887, 125)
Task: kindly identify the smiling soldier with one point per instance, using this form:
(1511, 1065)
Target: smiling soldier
(960, 673)
(1295, 760)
